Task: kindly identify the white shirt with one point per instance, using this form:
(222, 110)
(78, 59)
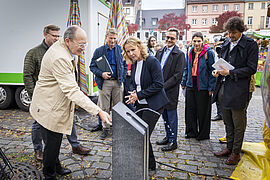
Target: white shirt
(233, 44)
(138, 80)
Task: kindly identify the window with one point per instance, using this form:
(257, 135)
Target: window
(194, 21)
(128, 1)
(225, 7)
(236, 7)
(214, 21)
(204, 8)
(143, 22)
(163, 36)
(250, 20)
(267, 22)
(194, 8)
(127, 11)
(204, 21)
(139, 35)
(215, 7)
(250, 6)
(154, 21)
(263, 5)
(155, 34)
(146, 35)
(262, 22)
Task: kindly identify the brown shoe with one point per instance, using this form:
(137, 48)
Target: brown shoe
(233, 159)
(81, 150)
(39, 155)
(224, 152)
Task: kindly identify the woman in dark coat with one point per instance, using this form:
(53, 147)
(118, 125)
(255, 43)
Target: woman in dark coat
(148, 93)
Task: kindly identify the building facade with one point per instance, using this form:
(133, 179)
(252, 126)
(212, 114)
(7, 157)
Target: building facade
(256, 14)
(202, 14)
(131, 8)
(148, 23)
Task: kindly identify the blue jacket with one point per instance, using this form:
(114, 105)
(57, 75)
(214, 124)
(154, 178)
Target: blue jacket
(120, 63)
(205, 79)
(151, 83)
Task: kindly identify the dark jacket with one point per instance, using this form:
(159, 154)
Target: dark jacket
(172, 73)
(31, 68)
(151, 83)
(205, 79)
(244, 58)
(120, 63)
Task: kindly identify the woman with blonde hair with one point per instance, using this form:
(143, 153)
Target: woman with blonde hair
(147, 92)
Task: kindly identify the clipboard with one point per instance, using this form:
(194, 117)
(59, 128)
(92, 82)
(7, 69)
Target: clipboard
(103, 64)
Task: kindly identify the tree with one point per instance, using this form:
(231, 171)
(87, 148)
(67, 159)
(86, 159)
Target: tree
(171, 20)
(132, 28)
(222, 19)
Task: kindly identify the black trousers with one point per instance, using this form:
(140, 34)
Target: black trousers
(198, 113)
(151, 119)
(52, 141)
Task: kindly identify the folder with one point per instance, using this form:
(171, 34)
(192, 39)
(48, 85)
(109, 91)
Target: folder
(103, 64)
(223, 63)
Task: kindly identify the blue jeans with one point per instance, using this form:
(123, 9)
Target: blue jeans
(171, 124)
(37, 138)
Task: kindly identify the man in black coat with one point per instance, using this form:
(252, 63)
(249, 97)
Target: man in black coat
(232, 87)
(172, 62)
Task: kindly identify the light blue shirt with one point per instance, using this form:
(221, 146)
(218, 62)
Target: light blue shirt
(165, 56)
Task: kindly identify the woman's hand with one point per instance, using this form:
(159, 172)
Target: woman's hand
(132, 98)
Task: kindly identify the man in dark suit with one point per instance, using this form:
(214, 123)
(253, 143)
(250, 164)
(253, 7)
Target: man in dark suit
(172, 62)
(232, 87)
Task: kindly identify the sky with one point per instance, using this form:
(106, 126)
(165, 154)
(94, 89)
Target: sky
(162, 4)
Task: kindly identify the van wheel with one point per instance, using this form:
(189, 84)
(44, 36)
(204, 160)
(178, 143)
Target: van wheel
(22, 99)
(6, 97)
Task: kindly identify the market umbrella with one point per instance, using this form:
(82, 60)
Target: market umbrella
(117, 21)
(74, 19)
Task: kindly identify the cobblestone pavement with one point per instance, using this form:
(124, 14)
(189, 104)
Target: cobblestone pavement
(192, 160)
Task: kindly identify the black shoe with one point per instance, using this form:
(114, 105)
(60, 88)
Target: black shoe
(97, 128)
(170, 147)
(104, 134)
(63, 171)
(164, 141)
(217, 118)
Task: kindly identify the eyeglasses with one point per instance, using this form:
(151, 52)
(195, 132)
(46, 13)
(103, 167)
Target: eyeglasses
(169, 37)
(81, 45)
(55, 36)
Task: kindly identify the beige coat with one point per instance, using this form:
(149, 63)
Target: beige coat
(57, 92)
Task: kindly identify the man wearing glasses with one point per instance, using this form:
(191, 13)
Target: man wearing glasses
(110, 87)
(32, 64)
(172, 62)
(55, 95)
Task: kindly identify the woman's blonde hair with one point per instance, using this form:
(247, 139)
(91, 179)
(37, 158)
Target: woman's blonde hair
(134, 42)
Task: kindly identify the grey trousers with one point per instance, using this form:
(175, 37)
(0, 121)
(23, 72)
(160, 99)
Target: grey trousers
(235, 121)
(111, 94)
(37, 137)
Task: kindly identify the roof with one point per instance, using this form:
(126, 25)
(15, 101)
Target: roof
(147, 15)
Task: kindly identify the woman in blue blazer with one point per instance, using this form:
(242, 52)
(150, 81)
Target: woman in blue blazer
(147, 92)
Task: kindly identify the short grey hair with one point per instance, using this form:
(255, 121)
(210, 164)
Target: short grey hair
(111, 31)
(70, 32)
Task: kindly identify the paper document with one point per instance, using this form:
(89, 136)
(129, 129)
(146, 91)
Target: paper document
(222, 62)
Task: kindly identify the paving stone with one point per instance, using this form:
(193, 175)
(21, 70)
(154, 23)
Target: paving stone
(187, 168)
(180, 175)
(93, 158)
(68, 161)
(104, 174)
(208, 171)
(104, 153)
(186, 156)
(101, 165)
(78, 175)
(89, 172)
(162, 173)
(163, 160)
(101, 148)
(210, 164)
(196, 163)
(74, 167)
(107, 159)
